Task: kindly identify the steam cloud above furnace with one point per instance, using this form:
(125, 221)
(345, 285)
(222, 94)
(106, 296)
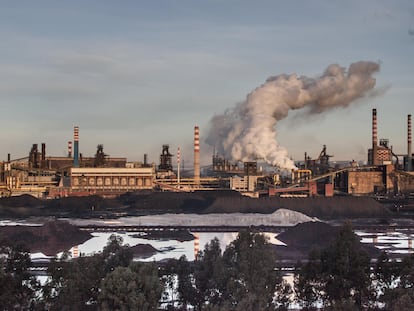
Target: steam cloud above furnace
(248, 131)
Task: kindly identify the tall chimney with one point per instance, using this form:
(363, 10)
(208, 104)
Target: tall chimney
(43, 159)
(196, 155)
(69, 149)
(306, 160)
(374, 137)
(178, 166)
(43, 151)
(409, 151)
(76, 147)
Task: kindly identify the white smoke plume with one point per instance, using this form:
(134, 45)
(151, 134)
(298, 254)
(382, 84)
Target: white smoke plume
(247, 131)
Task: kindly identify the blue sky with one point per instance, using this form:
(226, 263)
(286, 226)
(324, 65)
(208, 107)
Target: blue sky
(134, 75)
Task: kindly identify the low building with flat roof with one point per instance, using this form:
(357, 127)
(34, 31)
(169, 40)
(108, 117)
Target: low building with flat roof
(107, 180)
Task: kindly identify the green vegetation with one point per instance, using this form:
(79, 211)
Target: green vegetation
(243, 276)
(17, 286)
(337, 275)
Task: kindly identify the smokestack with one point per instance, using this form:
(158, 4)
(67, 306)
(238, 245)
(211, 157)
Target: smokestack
(76, 147)
(145, 159)
(69, 149)
(196, 245)
(196, 155)
(306, 160)
(34, 157)
(43, 158)
(374, 137)
(409, 151)
(178, 166)
(43, 151)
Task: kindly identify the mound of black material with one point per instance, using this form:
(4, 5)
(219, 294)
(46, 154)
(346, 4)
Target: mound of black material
(167, 202)
(143, 250)
(24, 200)
(304, 237)
(321, 207)
(51, 238)
(309, 235)
(178, 235)
(198, 202)
(92, 202)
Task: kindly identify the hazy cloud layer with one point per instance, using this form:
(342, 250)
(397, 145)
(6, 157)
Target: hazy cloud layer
(141, 74)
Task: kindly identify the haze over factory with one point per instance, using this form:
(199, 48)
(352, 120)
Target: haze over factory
(386, 172)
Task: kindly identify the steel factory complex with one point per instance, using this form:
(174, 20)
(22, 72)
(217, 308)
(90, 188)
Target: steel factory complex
(43, 176)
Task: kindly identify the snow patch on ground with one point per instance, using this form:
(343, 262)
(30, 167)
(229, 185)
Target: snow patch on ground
(19, 223)
(281, 217)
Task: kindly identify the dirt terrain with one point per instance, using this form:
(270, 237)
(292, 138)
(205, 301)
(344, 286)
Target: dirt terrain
(304, 237)
(143, 250)
(54, 237)
(50, 239)
(199, 202)
(57, 236)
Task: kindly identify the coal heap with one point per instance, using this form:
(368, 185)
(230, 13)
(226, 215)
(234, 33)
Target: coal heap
(50, 239)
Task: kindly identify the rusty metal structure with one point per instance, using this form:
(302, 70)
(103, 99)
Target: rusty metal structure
(165, 159)
(100, 157)
(320, 165)
(222, 165)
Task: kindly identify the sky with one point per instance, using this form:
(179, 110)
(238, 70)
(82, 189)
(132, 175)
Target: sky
(134, 75)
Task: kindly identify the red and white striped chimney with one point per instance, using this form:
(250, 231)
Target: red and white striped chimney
(69, 149)
(374, 137)
(196, 155)
(196, 245)
(76, 146)
(178, 166)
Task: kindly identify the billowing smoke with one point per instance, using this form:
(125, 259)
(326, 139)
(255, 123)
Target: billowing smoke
(247, 131)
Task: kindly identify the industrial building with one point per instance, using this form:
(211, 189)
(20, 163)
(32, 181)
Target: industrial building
(103, 179)
(38, 174)
(385, 173)
(48, 176)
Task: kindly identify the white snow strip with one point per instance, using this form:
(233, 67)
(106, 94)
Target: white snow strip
(281, 217)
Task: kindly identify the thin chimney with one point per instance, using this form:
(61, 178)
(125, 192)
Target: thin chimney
(76, 147)
(69, 149)
(43, 158)
(196, 155)
(409, 151)
(374, 137)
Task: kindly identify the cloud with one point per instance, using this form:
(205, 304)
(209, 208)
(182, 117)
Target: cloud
(84, 64)
(247, 131)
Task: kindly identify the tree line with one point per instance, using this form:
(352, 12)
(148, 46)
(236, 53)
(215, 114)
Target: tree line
(243, 276)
